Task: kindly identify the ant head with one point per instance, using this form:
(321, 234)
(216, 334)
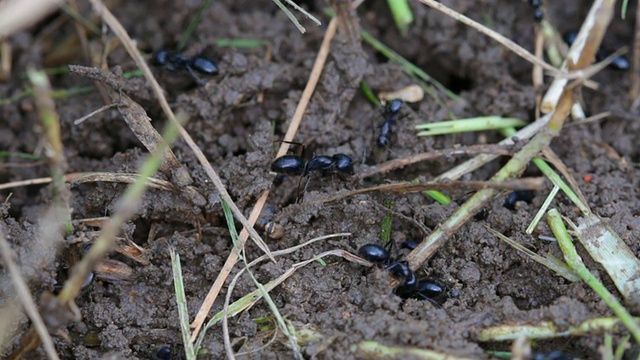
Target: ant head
(393, 106)
(160, 57)
(400, 270)
(343, 163)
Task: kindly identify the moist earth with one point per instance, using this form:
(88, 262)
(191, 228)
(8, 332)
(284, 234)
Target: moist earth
(237, 117)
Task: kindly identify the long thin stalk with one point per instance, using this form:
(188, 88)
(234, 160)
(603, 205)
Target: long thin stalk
(575, 262)
(512, 169)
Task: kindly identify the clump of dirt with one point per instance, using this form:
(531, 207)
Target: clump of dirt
(236, 117)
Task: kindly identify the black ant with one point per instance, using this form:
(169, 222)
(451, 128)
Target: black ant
(164, 353)
(538, 13)
(177, 62)
(424, 289)
(411, 287)
(290, 164)
(327, 165)
(619, 63)
(390, 111)
(554, 355)
(518, 195)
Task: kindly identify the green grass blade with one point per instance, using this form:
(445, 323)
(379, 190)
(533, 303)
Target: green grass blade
(549, 261)
(553, 177)
(181, 300)
(542, 210)
(385, 227)
(409, 67)
(241, 43)
(197, 16)
(466, 125)
(368, 93)
(228, 215)
(575, 262)
(402, 14)
(436, 195)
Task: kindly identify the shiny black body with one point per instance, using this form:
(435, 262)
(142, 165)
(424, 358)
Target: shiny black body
(289, 165)
(481, 215)
(519, 195)
(538, 15)
(164, 353)
(321, 163)
(177, 62)
(570, 37)
(427, 288)
(424, 289)
(374, 253)
(161, 58)
(343, 164)
(381, 256)
(390, 111)
(411, 287)
(400, 270)
(619, 63)
(409, 244)
(393, 107)
(538, 12)
(554, 355)
(326, 165)
(204, 65)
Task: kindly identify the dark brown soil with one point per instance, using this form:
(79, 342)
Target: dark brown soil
(235, 119)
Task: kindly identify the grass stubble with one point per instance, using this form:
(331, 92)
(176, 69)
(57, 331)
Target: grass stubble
(542, 133)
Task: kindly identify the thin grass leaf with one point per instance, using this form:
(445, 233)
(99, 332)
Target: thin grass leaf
(375, 350)
(607, 248)
(290, 15)
(547, 330)
(466, 125)
(195, 21)
(368, 93)
(181, 300)
(385, 226)
(402, 14)
(410, 68)
(548, 171)
(436, 195)
(575, 262)
(623, 9)
(228, 215)
(549, 261)
(542, 210)
(623, 345)
(19, 155)
(241, 43)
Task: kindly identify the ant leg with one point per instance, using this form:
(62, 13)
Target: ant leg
(301, 145)
(195, 76)
(290, 142)
(278, 180)
(300, 195)
(389, 245)
(400, 270)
